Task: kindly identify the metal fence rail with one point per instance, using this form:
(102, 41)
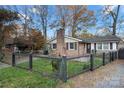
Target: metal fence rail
(107, 58)
(45, 65)
(62, 67)
(22, 60)
(98, 60)
(77, 65)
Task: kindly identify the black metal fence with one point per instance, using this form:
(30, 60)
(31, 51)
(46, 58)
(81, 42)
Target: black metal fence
(45, 65)
(121, 53)
(63, 67)
(22, 60)
(77, 65)
(98, 60)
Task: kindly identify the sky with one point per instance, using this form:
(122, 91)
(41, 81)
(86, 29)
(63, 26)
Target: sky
(51, 9)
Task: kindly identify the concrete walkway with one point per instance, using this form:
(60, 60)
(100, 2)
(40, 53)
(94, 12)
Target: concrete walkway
(109, 76)
(3, 65)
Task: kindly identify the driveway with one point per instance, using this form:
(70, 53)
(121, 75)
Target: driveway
(108, 76)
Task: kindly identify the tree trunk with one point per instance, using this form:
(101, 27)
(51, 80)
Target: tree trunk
(1, 36)
(114, 28)
(115, 20)
(1, 41)
(73, 32)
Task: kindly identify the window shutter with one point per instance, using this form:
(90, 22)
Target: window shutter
(95, 46)
(75, 45)
(67, 46)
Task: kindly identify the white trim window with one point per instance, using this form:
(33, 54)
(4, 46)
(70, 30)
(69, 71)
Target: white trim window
(105, 46)
(71, 45)
(99, 46)
(54, 46)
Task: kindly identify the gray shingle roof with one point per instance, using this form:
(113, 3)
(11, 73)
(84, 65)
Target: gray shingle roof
(101, 39)
(97, 39)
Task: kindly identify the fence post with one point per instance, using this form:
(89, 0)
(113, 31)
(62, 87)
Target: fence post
(13, 59)
(63, 69)
(103, 59)
(113, 56)
(110, 57)
(91, 62)
(30, 61)
(117, 54)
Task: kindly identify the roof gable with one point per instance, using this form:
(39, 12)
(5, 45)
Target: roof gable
(68, 37)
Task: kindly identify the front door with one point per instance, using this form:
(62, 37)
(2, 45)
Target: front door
(88, 48)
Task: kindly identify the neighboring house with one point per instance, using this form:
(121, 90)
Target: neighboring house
(20, 43)
(121, 44)
(83, 46)
(9, 43)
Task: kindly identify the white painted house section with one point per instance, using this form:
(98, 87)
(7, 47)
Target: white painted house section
(114, 45)
(92, 46)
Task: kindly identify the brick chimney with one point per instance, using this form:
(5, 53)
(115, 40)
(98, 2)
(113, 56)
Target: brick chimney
(61, 50)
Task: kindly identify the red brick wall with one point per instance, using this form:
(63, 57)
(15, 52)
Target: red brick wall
(72, 53)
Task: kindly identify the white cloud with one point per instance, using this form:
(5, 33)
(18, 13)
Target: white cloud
(34, 10)
(23, 16)
(109, 8)
(102, 31)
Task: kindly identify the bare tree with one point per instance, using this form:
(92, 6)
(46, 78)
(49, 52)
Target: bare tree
(42, 12)
(80, 18)
(60, 24)
(113, 12)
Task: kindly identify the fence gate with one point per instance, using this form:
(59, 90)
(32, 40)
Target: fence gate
(121, 53)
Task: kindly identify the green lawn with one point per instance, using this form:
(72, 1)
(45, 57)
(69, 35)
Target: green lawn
(16, 77)
(75, 67)
(98, 62)
(42, 65)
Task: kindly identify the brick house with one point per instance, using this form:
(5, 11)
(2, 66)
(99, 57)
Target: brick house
(73, 47)
(83, 46)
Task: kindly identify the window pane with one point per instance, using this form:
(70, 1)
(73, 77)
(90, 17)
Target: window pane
(111, 45)
(99, 45)
(71, 45)
(54, 46)
(105, 46)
